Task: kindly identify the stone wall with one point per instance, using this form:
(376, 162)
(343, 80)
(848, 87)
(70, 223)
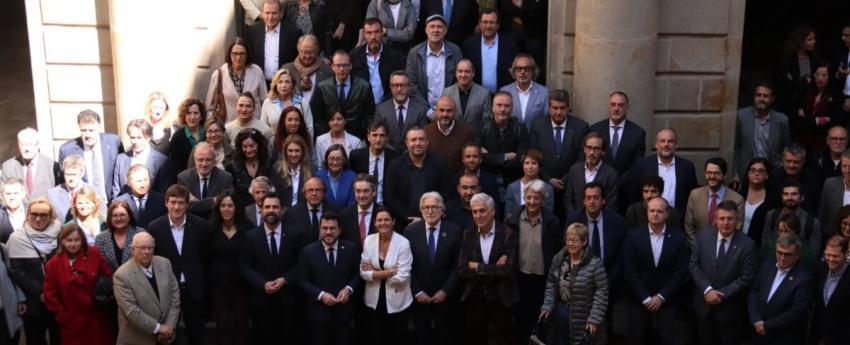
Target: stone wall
(697, 65)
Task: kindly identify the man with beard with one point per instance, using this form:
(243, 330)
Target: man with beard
(591, 169)
(471, 159)
(458, 210)
(447, 136)
(792, 197)
(503, 140)
(308, 68)
(760, 131)
(269, 266)
(374, 61)
(431, 64)
(401, 112)
(530, 99)
(794, 167)
(828, 161)
(412, 175)
(703, 201)
(626, 140)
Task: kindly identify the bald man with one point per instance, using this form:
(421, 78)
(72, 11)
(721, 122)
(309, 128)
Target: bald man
(147, 295)
(447, 136)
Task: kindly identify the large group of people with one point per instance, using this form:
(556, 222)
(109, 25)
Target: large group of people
(327, 193)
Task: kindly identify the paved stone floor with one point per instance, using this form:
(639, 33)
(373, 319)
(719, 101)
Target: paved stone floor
(17, 109)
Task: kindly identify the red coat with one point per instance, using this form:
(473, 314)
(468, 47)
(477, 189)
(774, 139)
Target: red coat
(70, 296)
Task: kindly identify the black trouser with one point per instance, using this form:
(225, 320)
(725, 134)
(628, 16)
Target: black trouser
(722, 325)
(230, 312)
(443, 317)
(531, 290)
(193, 315)
(5, 337)
(334, 331)
(273, 325)
(667, 326)
(481, 313)
(36, 325)
(388, 329)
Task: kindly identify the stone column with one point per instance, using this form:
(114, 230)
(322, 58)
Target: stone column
(615, 51)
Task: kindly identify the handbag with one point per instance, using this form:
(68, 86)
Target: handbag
(217, 106)
(103, 293)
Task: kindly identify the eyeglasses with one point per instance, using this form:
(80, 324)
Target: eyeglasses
(214, 131)
(431, 208)
(758, 171)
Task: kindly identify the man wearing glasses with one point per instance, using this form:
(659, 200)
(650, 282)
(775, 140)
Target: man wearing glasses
(530, 99)
(352, 96)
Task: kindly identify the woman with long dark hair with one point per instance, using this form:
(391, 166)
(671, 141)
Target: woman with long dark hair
(293, 122)
(250, 159)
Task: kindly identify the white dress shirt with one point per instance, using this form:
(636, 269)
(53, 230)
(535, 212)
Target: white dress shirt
(141, 157)
(177, 232)
(600, 229)
(846, 198)
(485, 241)
(656, 241)
(276, 235)
(271, 54)
(523, 99)
(590, 173)
(777, 280)
(668, 173)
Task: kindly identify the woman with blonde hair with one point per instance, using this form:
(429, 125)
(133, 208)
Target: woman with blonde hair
(283, 95)
(162, 124)
(292, 170)
(86, 213)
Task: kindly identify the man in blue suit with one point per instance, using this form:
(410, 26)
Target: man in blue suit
(780, 296)
(329, 273)
(99, 152)
(655, 263)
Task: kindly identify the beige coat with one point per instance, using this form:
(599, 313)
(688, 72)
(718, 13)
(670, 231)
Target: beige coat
(255, 82)
(139, 309)
(696, 217)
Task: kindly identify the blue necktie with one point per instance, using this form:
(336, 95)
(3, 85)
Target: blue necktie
(559, 140)
(341, 95)
(432, 243)
(447, 11)
(331, 259)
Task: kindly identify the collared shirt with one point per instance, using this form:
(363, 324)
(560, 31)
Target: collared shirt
(846, 90)
(530, 244)
(406, 106)
(177, 232)
(523, 95)
(762, 135)
(271, 52)
(18, 217)
(590, 174)
(436, 232)
(318, 216)
(346, 89)
(327, 248)
(831, 283)
(656, 242)
(141, 157)
(141, 201)
(277, 232)
(668, 173)
(600, 230)
(435, 68)
(611, 127)
(33, 164)
(485, 241)
(489, 58)
(394, 9)
(367, 218)
(201, 183)
(777, 280)
(259, 215)
(374, 63)
(446, 131)
(464, 97)
(720, 194)
(563, 127)
(379, 159)
(726, 246)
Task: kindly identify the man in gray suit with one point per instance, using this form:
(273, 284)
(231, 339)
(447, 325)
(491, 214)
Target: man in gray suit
(147, 295)
(472, 101)
(38, 172)
(760, 131)
(530, 99)
(592, 169)
(204, 181)
(722, 268)
(401, 112)
(431, 64)
(141, 152)
(835, 195)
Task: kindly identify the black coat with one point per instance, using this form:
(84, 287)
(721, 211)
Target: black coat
(350, 222)
(427, 276)
(258, 266)
(686, 180)
(389, 62)
(286, 45)
(192, 261)
(154, 208)
(542, 137)
(786, 313)
(316, 275)
(507, 50)
(492, 281)
(464, 18)
(298, 217)
(514, 139)
(830, 323)
(632, 144)
(668, 278)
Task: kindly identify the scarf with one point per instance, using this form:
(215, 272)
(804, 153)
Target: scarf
(28, 243)
(305, 71)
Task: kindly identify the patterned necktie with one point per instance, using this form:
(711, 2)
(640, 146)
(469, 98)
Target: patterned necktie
(615, 142)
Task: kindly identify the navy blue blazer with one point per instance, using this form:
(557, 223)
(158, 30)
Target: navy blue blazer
(110, 146)
(647, 279)
(161, 174)
(315, 275)
(830, 323)
(613, 233)
(441, 274)
(192, 259)
(632, 144)
(344, 195)
(154, 207)
(542, 137)
(686, 180)
(786, 313)
(258, 266)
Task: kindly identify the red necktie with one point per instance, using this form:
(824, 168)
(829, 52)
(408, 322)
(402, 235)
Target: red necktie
(712, 208)
(29, 179)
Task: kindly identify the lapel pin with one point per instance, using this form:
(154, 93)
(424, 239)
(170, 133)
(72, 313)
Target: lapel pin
(791, 278)
(341, 247)
(443, 235)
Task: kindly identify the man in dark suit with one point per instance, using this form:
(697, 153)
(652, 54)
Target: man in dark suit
(37, 171)
(832, 196)
(375, 159)
(780, 296)
(651, 186)
(591, 169)
(435, 245)
(457, 14)
(145, 203)
(401, 112)
(13, 213)
(626, 140)
(760, 131)
(832, 295)
(305, 215)
(375, 61)
(606, 232)
(487, 263)
(282, 36)
(269, 265)
(558, 137)
(259, 188)
(352, 96)
(99, 152)
(655, 264)
(721, 267)
(329, 273)
(205, 180)
(458, 210)
(794, 166)
(490, 52)
(412, 175)
(678, 173)
(358, 220)
(139, 132)
(183, 239)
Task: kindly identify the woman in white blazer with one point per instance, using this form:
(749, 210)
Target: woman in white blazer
(385, 266)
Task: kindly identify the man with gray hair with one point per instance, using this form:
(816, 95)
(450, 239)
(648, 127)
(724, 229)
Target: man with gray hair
(37, 171)
(434, 244)
(259, 187)
(308, 69)
(145, 204)
(14, 212)
(205, 180)
(487, 263)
